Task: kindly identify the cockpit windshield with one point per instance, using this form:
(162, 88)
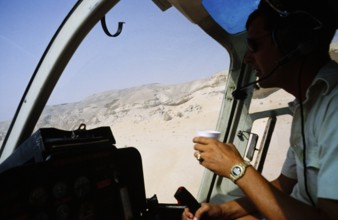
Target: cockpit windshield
(139, 83)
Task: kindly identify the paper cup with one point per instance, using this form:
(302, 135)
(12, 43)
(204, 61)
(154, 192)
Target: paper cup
(209, 134)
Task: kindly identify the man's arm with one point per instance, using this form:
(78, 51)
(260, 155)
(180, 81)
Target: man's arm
(241, 208)
(244, 208)
(284, 184)
(271, 202)
(274, 204)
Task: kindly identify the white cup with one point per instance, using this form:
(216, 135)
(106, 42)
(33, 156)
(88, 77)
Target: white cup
(209, 134)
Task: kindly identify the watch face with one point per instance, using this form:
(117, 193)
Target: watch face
(236, 171)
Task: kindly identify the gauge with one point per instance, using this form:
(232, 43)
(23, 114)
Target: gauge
(60, 190)
(82, 186)
(38, 197)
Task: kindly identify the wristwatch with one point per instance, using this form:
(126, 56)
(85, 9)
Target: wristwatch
(238, 170)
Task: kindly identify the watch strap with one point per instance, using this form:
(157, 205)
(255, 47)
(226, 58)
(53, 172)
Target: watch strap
(238, 170)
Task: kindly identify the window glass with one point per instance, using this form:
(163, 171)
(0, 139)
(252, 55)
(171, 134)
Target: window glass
(231, 15)
(265, 100)
(143, 85)
(155, 85)
(26, 29)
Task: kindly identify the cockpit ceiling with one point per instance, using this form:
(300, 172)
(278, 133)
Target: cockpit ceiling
(229, 14)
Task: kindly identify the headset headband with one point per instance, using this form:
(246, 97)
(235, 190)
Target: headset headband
(278, 7)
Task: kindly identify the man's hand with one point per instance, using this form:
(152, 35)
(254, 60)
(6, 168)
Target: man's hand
(217, 156)
(207, 211)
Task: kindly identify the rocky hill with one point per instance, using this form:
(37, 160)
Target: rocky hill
(146, 102)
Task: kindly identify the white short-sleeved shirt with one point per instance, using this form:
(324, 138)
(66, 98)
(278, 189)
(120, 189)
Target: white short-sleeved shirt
(321, 134)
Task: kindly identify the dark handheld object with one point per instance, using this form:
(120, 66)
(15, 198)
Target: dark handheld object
(184, 197)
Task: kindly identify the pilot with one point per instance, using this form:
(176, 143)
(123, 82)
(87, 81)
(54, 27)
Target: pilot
(288, 46)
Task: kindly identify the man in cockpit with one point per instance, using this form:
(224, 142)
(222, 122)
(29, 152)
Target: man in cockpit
(288, 46)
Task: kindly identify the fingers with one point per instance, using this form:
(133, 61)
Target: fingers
(216, 156)
(198, 156)
(206, 211)
(202, 140)
(187, 215)
(201, 143)
(203, 147)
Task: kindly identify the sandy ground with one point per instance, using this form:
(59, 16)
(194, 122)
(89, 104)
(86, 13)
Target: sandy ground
(169, 164)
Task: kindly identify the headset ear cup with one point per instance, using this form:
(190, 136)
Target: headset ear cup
(287, 42)
(291, 34)
(306, 47)
(284, 40)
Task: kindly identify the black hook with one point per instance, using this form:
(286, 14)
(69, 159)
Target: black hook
(104, 26)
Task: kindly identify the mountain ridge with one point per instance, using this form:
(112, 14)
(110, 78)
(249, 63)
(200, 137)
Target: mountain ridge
(114, 104)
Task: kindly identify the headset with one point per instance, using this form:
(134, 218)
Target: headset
(289, 35)
(295, 30)
(292, 38)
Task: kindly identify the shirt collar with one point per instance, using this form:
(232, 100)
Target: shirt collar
(325, 80)
(328, 76)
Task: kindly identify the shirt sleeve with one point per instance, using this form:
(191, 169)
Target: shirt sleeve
(328, 154)
(289, 166)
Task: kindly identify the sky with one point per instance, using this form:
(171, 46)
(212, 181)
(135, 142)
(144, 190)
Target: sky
(154, 47)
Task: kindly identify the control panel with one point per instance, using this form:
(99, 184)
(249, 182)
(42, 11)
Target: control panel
(106, 184)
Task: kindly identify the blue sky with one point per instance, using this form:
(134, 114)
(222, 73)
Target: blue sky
(154, 47)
